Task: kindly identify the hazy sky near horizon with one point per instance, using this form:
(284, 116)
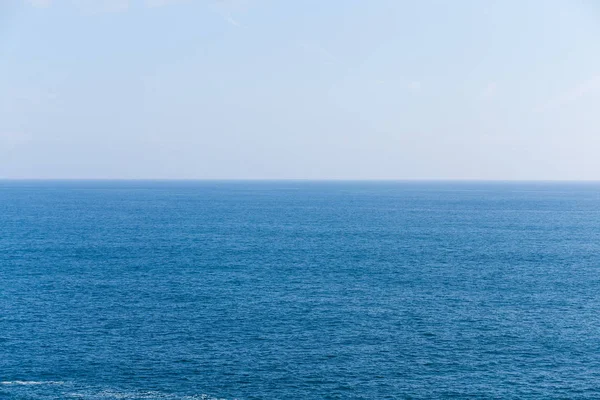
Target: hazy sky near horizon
(311, 89)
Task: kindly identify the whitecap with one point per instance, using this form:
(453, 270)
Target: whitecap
(112, 394)
(23, 383)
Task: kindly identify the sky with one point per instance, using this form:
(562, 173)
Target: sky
(310, 89)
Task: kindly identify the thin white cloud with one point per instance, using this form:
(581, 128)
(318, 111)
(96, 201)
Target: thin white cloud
(226, 15)
(226, 8)
(578, 91)
(230, 19)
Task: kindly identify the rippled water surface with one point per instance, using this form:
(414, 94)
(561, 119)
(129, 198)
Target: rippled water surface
(299, 290)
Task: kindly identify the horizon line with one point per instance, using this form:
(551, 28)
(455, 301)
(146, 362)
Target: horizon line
(9, 179)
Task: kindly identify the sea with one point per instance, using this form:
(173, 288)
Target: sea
(299, 290)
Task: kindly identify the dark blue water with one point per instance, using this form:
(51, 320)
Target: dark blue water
(299, 290)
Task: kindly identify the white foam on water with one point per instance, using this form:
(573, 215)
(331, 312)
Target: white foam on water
(109, 394)
(25, 383)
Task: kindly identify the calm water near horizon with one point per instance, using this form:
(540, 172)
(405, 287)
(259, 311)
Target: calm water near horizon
(299, 290)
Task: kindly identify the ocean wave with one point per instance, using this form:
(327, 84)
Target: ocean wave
(25, 383)
(75, 391)
(150, 395)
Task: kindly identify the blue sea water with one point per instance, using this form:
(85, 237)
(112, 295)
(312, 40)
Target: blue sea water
(299, 290)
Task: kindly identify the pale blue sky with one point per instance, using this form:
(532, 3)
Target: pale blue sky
(311, 89)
